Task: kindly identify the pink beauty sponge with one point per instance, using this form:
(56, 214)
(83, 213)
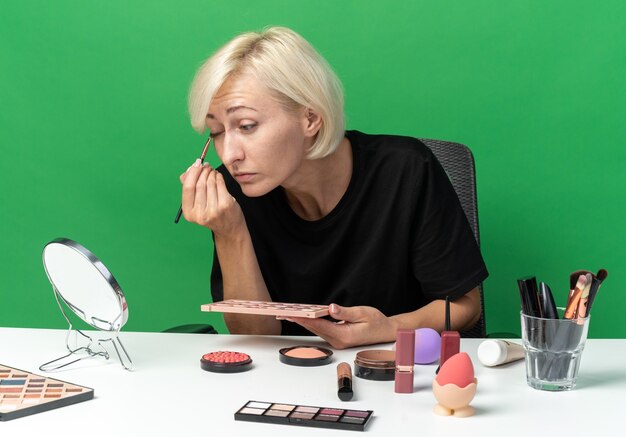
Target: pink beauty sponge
(457, 370)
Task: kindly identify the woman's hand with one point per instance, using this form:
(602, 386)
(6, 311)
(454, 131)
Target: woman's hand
(356, 326)
(207, 202)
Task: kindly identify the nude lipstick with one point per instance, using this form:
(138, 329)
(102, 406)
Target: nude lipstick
(344, 381)
(405, 355)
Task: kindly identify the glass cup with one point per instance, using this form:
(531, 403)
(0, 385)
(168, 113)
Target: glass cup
(553, 350)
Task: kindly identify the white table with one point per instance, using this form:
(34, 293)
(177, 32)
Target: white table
(168, 394)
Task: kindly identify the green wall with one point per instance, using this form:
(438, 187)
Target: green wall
(94, 133)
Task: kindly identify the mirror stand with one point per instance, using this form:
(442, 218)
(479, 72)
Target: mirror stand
(93, 348)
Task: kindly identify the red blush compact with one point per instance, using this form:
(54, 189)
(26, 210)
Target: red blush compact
(226, 362)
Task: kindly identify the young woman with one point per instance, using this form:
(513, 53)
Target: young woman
(303, 211)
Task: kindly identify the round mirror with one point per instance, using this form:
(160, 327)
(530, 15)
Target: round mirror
(85, 284)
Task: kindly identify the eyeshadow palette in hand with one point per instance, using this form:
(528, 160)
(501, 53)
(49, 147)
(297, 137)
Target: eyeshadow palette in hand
(278, 309)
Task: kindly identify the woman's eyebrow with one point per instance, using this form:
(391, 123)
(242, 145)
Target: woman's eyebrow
(232, 109)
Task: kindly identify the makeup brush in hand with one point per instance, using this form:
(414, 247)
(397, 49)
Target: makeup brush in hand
(202, 156)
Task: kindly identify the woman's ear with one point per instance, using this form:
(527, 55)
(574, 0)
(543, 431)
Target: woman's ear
(313, 122)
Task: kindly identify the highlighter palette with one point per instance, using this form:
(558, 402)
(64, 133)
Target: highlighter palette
(304, 415)
(278, 309)
(24, 393)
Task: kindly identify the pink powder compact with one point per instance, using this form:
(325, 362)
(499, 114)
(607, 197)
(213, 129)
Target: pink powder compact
(226, 362)
(305, 356)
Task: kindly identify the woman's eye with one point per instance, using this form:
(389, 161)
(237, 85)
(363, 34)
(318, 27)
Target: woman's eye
(247, 127)
(215, 134)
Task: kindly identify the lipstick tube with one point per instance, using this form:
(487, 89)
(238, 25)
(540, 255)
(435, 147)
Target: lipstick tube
(450, 345)
(405, 355)
(344, 381)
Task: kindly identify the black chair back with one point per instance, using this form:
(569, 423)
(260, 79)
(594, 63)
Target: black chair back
(458, 162)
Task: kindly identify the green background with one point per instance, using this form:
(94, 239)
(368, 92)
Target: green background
(94, 133)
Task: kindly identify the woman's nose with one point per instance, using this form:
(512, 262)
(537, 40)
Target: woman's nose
(232, 150)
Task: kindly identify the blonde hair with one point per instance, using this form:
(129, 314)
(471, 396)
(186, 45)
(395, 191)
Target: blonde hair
(288, 66)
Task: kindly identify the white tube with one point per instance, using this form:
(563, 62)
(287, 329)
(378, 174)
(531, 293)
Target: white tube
(495, 352)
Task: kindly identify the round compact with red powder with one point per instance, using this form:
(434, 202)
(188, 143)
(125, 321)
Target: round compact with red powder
(226, 362)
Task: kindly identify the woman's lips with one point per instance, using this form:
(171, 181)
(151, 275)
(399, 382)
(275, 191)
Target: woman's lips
(244, 177)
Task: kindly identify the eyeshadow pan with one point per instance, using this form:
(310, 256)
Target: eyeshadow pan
(283, 407)
(347, 419)
(277, 413)
(30, 401)
(327, 418)
(258, 405)
(10, 389)
(352, 413)
(304, 409)
(334, 411)
(12, 382)
(256, 411)
(296, 415)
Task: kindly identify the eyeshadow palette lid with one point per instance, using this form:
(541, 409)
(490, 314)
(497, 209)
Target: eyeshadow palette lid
(226, 362)
(278, 309)
(305, 356)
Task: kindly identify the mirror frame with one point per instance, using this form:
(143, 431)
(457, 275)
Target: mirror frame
(93, 347)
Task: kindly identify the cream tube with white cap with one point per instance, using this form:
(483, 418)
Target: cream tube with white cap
(495, 352)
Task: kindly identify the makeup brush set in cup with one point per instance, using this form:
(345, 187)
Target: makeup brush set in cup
(554, 337)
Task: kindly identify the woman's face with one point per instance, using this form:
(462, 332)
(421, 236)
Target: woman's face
(260, 143)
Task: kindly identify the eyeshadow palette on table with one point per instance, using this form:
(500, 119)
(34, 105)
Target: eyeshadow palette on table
(23, 393)
(304, 415)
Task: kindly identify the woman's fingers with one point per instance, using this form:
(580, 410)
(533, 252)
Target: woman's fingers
(189, 187)
(211, 194)
(201, 199)
(184, 175)
(224, 198)
(206, 199)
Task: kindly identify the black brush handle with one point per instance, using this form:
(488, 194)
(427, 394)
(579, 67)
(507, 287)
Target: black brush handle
(178, 214)
(546, 300)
